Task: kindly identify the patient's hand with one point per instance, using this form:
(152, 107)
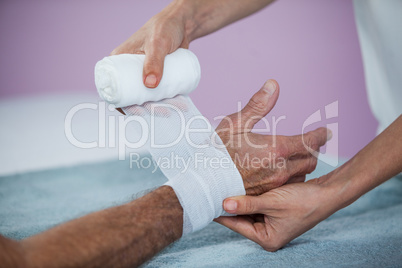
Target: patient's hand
(280, 215)
(264, 161)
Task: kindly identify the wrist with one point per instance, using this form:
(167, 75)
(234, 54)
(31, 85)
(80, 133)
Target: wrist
(187, 12)
(201, 194)
(344, 185)
(193, 14)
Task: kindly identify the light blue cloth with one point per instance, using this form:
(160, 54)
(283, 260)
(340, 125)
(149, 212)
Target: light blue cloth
(367, 233)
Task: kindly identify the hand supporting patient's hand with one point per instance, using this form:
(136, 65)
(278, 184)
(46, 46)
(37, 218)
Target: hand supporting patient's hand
(280, 215)
(161, 35)
(264, 161)
(275, 218)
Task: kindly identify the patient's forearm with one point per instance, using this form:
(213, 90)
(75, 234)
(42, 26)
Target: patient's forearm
(123, 236)
(206, 16)
(379, 161)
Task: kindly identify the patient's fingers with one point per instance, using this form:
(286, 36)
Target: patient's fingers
(303, 151)
(317, 138)
(299, 166)
(311, 141)
(260, 104)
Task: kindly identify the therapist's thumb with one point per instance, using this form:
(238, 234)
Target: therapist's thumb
(244, 204)
(153, 66)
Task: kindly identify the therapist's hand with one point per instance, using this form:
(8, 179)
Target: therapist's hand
(177, 25)
(265, 161)
(275, 218)
(161, 35)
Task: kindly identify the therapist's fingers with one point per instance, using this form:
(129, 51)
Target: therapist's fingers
(261, 233)
(243, 225)
(245, 205)
(153, 64)
(130, 46)
(260, 104)
(297, 179)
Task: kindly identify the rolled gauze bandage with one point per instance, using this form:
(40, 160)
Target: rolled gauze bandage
(119, 78)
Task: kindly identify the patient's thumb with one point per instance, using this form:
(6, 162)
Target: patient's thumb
(244, 204)
(260, 104)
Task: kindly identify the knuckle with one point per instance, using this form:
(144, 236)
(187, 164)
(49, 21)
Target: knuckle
(153, 64)
(270, 247)
(256, 106)
(311, 164)
(311, 142)
(273, 245)
(115, 52)
(248, 206)
(226, 124)
(315, 140)
(281, 150)
(157, 42)
(307, 140)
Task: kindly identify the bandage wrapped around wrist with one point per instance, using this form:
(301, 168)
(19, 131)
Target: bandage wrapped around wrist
(181, 141)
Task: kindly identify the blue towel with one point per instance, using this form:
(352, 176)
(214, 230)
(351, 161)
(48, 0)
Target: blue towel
(368, 233)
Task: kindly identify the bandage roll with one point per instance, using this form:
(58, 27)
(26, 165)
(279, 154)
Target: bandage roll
(119, 78)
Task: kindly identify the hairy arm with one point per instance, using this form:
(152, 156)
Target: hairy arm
(122, 236)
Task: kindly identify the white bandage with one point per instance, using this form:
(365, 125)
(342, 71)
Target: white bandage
(185, 147)
(119, 78)
(192, 156)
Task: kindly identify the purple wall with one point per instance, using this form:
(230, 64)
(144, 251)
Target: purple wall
(309, 46)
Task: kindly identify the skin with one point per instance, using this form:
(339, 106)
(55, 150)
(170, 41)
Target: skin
(130, 234)
(292, 209)
(235, 132)
(181, 22)
(122, 236)
(275, 218)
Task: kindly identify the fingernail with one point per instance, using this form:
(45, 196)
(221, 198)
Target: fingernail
(270, 87)
(230, 205)
(329, 134)
(150, 81)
